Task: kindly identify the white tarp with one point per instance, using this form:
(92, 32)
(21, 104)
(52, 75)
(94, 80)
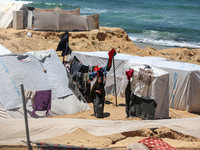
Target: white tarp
(100, 58)
(6, 13)
(158, 89)
(4, 50)
(184, 82)
(13, 130)
(16, 69)
(184, 85)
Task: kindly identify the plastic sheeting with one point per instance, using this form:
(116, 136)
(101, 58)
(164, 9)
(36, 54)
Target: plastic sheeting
(100, 58)
(6, 13)
(4, 50)
(42, 20)
(184, 82)
(62, 106)
(36, 75)
(59, 10)
(158, 89)
(13, 130)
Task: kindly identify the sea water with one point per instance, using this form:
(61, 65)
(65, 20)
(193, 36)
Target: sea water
(170, 23)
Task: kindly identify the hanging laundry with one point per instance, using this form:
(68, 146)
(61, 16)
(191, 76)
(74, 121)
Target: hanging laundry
(79, 81)
(86, 77)
(93, 74)
(111, 54)
(100, 72)
(95, 68)
(84, 69)
(129, 74)
(42, 101)
(91, 68)
(145, 75)
(75, 67)
(29, 95)
(63, 44)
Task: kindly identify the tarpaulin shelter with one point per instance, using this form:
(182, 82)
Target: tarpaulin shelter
(38, 70)
(57, 19)
(153, 98)
(184, 78)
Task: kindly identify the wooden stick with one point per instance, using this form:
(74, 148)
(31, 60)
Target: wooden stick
(115, 81)
(25, 117)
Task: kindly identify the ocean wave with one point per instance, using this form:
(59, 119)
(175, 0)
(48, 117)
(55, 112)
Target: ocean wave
(157, 34)
(170, 43)
(86, 10)
(53, 4)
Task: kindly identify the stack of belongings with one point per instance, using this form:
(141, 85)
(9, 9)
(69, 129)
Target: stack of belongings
(146, 91)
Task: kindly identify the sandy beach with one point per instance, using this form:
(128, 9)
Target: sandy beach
(105, 39)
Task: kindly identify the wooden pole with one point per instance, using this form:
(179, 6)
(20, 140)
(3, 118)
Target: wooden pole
(115, 81)
(63, 59)
(25, 118)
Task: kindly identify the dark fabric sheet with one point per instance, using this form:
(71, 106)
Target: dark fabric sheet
(63, 44)
(74, 88)
(139, 107)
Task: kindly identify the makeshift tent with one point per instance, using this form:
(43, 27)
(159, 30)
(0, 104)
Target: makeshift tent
(100, 58)
(6, 13)
(4, 50)
(184, 78)
(41, 19)
(157, 91)
(184, 82)
(41, 70)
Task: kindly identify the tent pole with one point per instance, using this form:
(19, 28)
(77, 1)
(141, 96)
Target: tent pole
(63, 59)
(25, 117)
(115, 81)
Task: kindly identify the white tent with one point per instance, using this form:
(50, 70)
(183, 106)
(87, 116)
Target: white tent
(184, 78)
(184, 82)
(4, 50)
(158, 90)
(37, 71)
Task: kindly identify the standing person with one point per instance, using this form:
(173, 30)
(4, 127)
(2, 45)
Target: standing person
(97, 95)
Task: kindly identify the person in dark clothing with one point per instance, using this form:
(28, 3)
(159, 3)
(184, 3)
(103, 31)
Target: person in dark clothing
(97, 96)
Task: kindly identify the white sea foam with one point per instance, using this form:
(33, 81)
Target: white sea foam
(54, 4)
(170, 43)
(91, 10)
